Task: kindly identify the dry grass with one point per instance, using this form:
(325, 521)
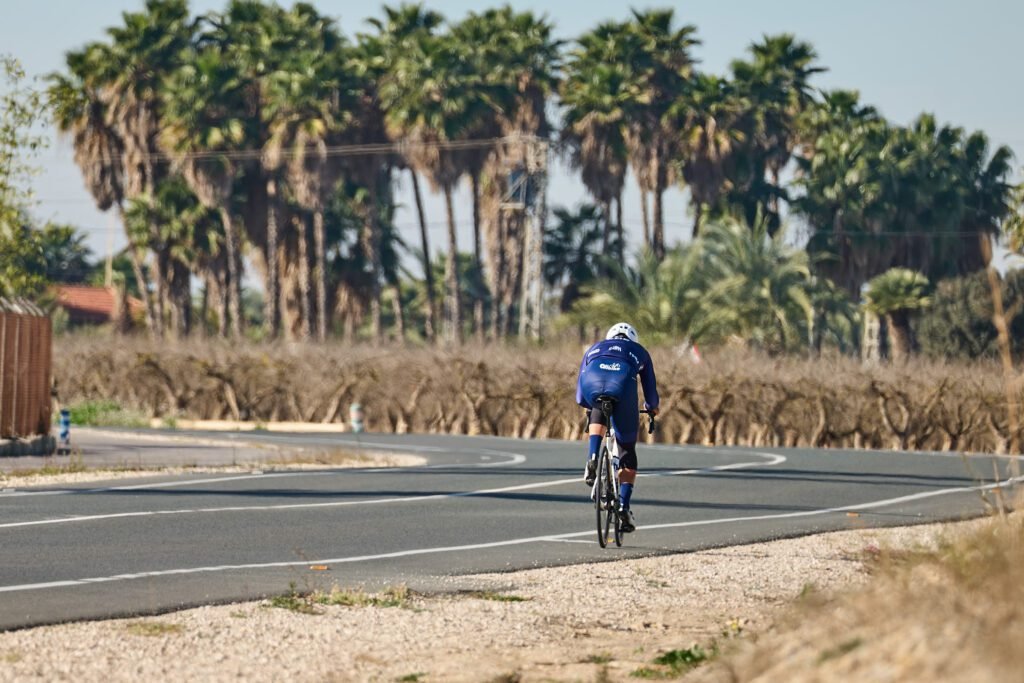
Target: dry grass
(733, 398)
(952, 613)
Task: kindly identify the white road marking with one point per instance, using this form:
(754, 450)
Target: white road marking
(481, 546)
(771, 459)
(512, 459)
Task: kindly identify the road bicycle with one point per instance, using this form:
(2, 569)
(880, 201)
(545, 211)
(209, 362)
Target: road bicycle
(605, 492)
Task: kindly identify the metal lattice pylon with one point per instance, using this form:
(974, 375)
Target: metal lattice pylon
(528, 193)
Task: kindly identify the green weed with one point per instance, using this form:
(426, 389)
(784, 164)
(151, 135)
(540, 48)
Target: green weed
(675, 663)
(397, 596)
(497, 597)
(105, 413)
(295, 602)
(648, 673)
(840, 650)
(680, 660)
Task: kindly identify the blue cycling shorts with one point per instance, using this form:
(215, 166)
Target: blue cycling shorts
(616, 379)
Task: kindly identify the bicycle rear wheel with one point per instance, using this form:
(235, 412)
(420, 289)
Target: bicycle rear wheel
(618, 526)
(601, 500)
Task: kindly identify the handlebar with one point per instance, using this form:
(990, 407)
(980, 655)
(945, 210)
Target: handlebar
(652, 424)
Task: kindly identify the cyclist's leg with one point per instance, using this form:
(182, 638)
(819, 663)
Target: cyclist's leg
(594, 383)
(597, 431)
(598, 428)
(627, 472)
(627, 427)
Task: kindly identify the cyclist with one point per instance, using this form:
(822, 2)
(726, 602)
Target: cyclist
(609, 368)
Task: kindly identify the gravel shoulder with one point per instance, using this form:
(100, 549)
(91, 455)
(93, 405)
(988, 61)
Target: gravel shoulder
(586, 622)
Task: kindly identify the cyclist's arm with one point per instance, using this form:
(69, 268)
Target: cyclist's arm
(650, 384)
(580, 399)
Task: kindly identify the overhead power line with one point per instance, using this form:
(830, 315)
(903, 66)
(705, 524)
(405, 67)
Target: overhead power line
(401, 147)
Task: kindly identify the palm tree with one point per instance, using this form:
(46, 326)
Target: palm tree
(593, 99)
(81, 113)
(576, 252)
(661, 67)
(663, 298)
(1013, 226)
(897, 294)
(517, 59)
(707, 116)
(775, 87)
(311, 100)
(397, 32)
(261, 42)
(181, 240)
(762, 287)
(876, 196)
(141, 53)
(433, 101)
(205, 133)
(988, 199)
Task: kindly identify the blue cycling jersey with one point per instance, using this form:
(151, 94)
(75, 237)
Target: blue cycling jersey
(610, 366)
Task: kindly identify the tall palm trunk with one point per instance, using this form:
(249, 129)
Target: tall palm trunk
(181, 300)
(221, 280)
(478, 304)
(305, 293)
(204, 303)
(660, 181)
(147, 299)
(606, 237)
(620, 229)
(902, 336)
(234, 284)
(399, 311)
(371, 245)
(160, 273)
(645, 213)
(320, 271)
(498, 273)
(140, 278)
(451, 275)
(272, 305)
(430, 326)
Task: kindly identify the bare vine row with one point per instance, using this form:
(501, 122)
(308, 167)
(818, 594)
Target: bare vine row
(730, 399)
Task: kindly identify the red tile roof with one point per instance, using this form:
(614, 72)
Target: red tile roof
(92, 304)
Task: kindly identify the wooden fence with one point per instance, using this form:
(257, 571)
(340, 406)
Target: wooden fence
(26, 356)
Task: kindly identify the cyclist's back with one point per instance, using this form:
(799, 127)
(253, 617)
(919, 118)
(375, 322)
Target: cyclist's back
(610, 368)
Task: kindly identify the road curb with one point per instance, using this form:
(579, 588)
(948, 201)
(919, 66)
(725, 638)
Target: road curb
(241, 426)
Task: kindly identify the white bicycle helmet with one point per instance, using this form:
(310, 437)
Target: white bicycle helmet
(623, 330)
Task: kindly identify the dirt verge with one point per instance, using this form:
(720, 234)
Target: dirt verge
(608, 621)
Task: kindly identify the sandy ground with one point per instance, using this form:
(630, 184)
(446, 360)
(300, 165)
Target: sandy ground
(596, 622)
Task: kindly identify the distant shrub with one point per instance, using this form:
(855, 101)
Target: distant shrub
(958, 324)
(104, 413)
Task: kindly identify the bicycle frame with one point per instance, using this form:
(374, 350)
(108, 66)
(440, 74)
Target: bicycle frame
(605, 491)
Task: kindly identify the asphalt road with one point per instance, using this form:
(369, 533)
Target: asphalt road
(479, 504)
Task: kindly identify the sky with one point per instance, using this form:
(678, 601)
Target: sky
(959, 60)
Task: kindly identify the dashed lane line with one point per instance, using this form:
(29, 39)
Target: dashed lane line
(495, 544)
(769, 459)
